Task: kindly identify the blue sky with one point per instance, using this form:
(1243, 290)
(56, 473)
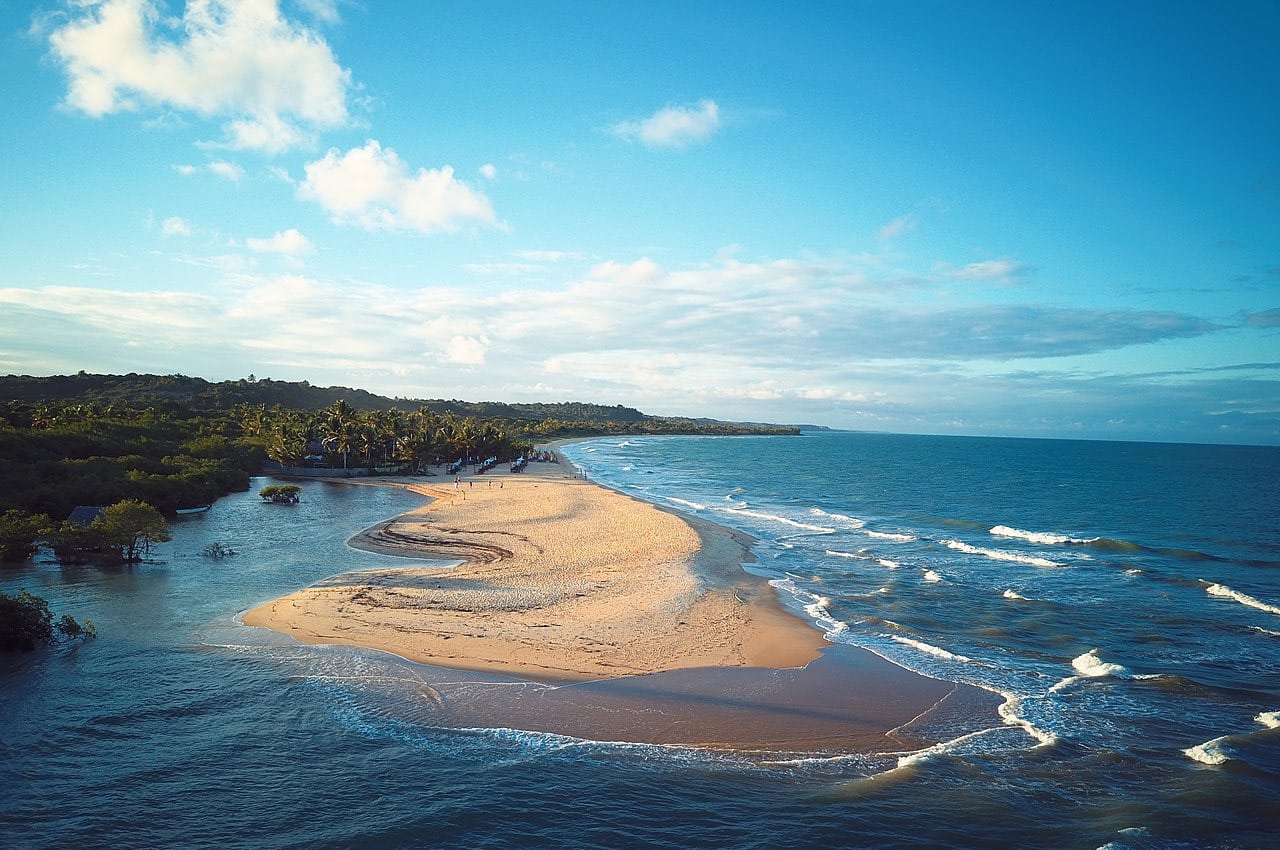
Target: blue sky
(937, 217)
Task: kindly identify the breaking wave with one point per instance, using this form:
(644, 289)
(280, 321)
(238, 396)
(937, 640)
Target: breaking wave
(1039, 536)
(887, 535)
(1000, 554)
(1221, 590)
(1210, 752)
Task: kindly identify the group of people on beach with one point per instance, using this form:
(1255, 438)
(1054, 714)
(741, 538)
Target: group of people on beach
(457, 483)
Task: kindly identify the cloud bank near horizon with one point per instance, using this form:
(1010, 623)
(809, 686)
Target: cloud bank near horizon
(799, 337)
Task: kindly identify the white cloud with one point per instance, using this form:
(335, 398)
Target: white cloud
(998, 270)
(673, 126)
(826, 345)
(372, 187)
(489, 171)
(175, 226)
(289, 242)
(900, 225)
(637, 273)
(225, 170)
(237, 60)
(322, 10)
(544, 256)
(466, 350)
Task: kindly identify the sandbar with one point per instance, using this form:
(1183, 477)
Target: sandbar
(640, 623)
(560, 579)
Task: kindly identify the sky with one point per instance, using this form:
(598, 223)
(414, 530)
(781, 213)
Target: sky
(1014, 219)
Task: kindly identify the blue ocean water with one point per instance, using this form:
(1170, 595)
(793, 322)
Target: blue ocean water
(1124, 599)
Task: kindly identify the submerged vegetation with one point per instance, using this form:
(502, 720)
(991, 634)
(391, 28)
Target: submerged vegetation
(26, 621)
(281, 494)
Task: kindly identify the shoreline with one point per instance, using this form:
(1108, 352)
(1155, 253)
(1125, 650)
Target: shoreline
(611, 607)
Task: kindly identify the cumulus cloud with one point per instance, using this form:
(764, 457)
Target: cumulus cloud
(466, 350)
(241, 61)
(673, 126)
(489, 171)
(373, 188)
(289, 242)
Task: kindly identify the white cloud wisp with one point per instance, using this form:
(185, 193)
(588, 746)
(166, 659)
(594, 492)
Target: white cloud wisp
(673, 126)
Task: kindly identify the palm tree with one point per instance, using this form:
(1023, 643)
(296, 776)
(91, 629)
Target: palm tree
(340, 432)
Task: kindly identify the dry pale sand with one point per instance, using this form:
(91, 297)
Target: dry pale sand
(561, 580)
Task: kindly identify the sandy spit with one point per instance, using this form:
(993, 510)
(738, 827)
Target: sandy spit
(560, 580)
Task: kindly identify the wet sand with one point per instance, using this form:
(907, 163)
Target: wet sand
(631, 623)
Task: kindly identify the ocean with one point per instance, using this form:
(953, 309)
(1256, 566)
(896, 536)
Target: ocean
(1122, 599)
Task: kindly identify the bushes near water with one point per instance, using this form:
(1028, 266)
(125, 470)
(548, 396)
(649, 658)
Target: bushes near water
(26, 621)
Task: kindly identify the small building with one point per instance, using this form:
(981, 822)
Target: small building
(84, 515)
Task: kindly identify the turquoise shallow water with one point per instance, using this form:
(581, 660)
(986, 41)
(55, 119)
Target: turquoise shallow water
(1122, 597)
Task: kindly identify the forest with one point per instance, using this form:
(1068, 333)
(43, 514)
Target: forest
(172, 442)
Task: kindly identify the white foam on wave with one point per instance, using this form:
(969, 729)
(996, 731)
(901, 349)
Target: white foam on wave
(688, 504)
(1042, 537)
(817, 607)
(1008, 712)
(1013, 594)
(932, 577)
(1091, 666)
(1265, 631)
(1221, 590)
(887, 564)
(804, 526)
(836, 553)
(1269, 719)
(852, 522)
(1131, 832)
(930, 649)
(887, 535)
(1000, 554)
(1210, 752)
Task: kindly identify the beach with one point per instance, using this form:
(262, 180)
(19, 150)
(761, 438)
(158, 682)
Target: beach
(559, 580)
(1125, 697)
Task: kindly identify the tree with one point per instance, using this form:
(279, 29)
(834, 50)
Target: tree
(129, 527)
(19, 532)
(25, 620)
(73, 543)
(281, 494)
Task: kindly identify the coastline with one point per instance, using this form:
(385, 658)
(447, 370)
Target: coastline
(619, 607)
